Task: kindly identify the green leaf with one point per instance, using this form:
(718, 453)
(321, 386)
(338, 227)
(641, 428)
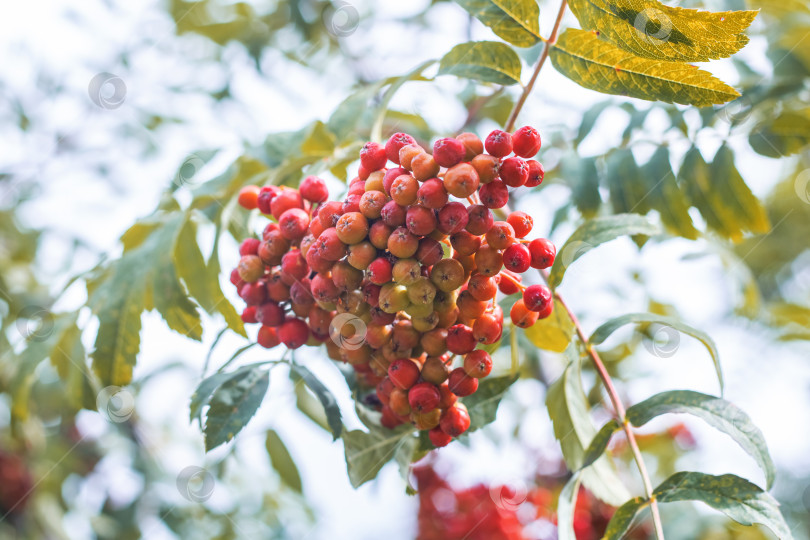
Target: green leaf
(697, 180)
(367, 452)
(330, 406)
(566, 506)
(748, 213)
(717, 412)
(736, 497)
(144, 278)
(628, 189)
(521, 30)
(282, 461)
(782, 136)
(202, 394)
(599, 443)
(568, 408)
(319, 141)
(654, 30)
(201, 284)
(603, 332)
(483, 404)
(485, 61)
(622, 519)
(598, 65)
(233, 404)
(553, 333)
(593, 233)
(666, 197)
(70, 360)
(581, 174)
(589, 119)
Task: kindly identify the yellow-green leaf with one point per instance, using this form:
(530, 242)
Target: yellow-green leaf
(282, 461)
(728, 182)
(486, 61)
(598, 65)
(666, 197)
(654, 30)
(782, 136)
(554, 332)
(523, 31)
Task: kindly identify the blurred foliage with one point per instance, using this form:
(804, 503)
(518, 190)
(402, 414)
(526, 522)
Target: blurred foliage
(165, 265)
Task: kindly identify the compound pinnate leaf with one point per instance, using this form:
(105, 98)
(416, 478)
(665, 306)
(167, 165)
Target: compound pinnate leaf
(666, 197)
(327, 399)
(744, 208)
(782, 136)
(599, 443)
(486, 61)
(233, 404)
(144, 278)
(566, 506)
(717, 412)
(368, 452)
(603, 332)
(521, 32)
(553, 333)
(282, 461)
(483, 404)
(568, 408)
(736, 497)
(599, 65)
(622, 519)
(593, 233)
(654, 30)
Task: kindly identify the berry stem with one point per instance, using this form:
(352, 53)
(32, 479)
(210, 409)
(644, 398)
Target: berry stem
(620, 412)
(510, 124)
(515, 282)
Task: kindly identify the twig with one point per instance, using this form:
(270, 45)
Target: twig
(510, 124)
(618, 406)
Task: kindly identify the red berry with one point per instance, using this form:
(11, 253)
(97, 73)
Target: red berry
(293, 223)
(516, 258)
(542, 252)
(507, 285)
(537, 298)
(429, 252)
(268, 337)
(373, 156)
(266, 195)
(329, 213)
(514, 172)
(522, 316)
(249, 197)
(448, 152)
(439, 438)
(249, 246)
(455, 420)
(453, 218)
(393, 214)
(270, 314)
(462, 384)
(501, 235)
(478, 364)
(395, 144)
(379, 271)
(284, 200)
(431, 194)
(521, 222)
(487, 329)
(480, 219)
(293, 333)
(254, 293)
(313, 189)
(294, 265)
(420, 221)
(424, 397)
(249, 315)
(536, 173)
(390, 176)
(499, 143)
(526, 142)
(460, 339)
(403, 372)
(494, 195)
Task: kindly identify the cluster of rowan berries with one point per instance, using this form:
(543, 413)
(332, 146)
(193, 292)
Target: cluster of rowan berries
(402, 274)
